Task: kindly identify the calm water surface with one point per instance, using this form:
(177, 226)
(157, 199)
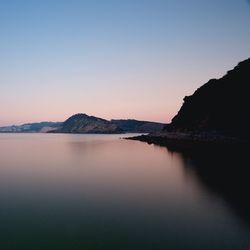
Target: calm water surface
(100, 192)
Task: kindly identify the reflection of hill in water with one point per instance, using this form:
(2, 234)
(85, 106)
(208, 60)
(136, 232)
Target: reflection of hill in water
(225, 173)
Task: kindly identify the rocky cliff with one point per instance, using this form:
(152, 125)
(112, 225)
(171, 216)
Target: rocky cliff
(219, 106)
(218, 112)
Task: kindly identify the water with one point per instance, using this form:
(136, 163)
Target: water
(100, 192)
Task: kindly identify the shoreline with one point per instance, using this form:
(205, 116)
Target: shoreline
(192, 141)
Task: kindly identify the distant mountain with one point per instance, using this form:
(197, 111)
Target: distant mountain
(82, 123)
(135, 126)
(42, 127)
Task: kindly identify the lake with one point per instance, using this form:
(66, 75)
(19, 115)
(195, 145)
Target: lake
(70, 192)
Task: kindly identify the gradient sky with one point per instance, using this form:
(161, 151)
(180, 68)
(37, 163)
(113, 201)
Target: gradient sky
(114, 58)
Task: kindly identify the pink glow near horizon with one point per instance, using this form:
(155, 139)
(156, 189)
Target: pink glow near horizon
(50, 115)
(158, 102)
(134, 59)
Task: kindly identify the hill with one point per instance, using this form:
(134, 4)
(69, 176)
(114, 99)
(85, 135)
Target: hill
(220, 106)
(84, 124)
(217, 113)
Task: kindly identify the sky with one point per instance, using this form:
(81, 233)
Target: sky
(113, 58)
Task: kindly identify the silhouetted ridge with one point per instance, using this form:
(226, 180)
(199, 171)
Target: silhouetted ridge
(217, 113)
(220, 105)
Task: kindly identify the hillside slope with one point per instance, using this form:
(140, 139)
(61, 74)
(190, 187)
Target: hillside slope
(82, 123)
(220, 106)
(217, 113)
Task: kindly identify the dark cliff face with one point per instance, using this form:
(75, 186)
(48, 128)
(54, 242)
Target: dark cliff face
(220, 105)
(82, 123)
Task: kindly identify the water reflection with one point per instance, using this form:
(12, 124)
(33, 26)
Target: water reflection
(224, 172)
(99, 192)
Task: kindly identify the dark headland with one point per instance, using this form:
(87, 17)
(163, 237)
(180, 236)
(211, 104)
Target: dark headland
(216, 114)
